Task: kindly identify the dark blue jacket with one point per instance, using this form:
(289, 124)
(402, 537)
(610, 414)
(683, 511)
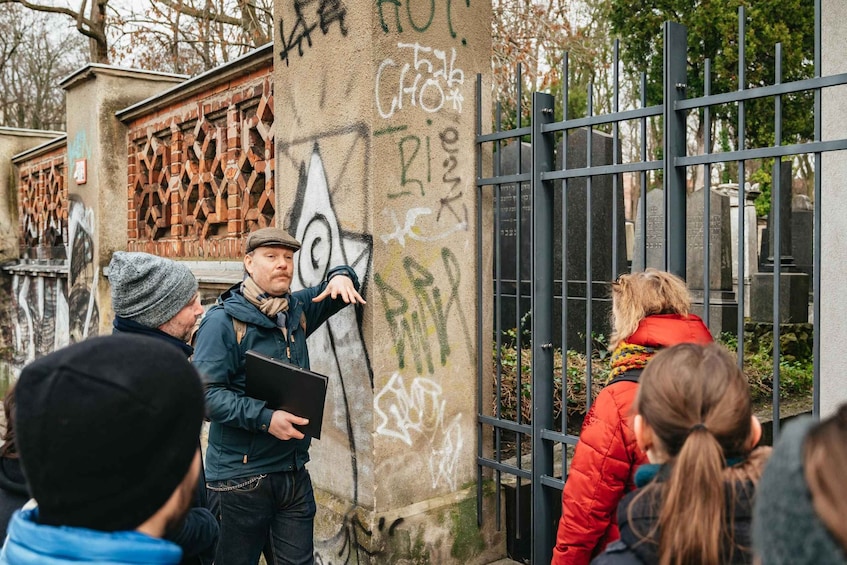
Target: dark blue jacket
(239, 442)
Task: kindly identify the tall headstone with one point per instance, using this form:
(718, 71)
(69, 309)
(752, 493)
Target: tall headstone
(803, 233)
(751, 239)
(793, 301)
(375, 106)
(711, 275)
(514, 236)
(650, 232)
(608, 255)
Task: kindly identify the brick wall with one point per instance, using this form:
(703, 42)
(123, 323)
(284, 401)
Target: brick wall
(201, 171)
(43, 205)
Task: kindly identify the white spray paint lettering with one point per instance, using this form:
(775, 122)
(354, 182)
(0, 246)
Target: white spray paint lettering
(427, 86)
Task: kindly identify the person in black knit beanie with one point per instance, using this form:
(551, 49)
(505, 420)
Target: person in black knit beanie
(108, 447)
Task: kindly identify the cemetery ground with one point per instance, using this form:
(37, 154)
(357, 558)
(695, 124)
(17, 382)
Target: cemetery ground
(795, 379)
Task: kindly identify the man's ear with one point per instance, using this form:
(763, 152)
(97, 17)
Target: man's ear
(755, 432)
(248, 263)
(643, 433)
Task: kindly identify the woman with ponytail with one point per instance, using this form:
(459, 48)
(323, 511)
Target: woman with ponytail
(650, 311)
(694, 504)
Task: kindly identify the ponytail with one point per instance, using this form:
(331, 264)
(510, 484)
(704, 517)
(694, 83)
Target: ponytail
(697, 402)
(693, 509)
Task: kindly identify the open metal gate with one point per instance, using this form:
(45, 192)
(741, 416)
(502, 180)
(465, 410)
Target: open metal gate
(554, 255)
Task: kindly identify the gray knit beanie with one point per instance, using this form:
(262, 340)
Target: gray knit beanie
(148, 289)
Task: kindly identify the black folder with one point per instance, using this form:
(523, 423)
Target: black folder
(287, 387)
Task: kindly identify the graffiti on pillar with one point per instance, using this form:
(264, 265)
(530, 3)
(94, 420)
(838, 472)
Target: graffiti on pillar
(83, 273)
(416, 416)
(338, 346)
(419, 327)
(310, 15)
(427, 78)
(39, 316)
(417, 15)
(355, 542)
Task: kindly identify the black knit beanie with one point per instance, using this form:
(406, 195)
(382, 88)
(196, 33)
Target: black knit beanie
(107, 429)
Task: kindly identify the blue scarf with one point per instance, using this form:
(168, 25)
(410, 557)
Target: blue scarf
(649, 471)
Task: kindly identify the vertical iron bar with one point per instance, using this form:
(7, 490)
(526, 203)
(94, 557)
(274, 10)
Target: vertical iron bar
(563, 259)
(615, 145)
(519, 277)
(480, 343)
(707, 204)
(498, 311)
(542, 324)
(776, 208)
(642, 212)
(816, 230)
(589, 294)
(742, 187)
(675, 49)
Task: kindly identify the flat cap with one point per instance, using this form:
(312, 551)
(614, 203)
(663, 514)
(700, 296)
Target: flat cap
(271, 237)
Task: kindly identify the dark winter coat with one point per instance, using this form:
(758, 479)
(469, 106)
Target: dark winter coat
(239, 442)
(198, 536)
(638, 515)
(13, 491)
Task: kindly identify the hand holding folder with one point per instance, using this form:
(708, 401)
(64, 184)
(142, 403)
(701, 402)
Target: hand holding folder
(287, 387)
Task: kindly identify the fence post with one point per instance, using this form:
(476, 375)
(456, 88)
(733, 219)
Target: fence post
(542, 326)
(673, 145)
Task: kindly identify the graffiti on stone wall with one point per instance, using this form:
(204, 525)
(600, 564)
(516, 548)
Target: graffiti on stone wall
(428, 79)
(39, 316)
(417, 15)
(419, 327)
(416, 416)
(355, 542)
(325, 244)
(83, 274)
(310, 15)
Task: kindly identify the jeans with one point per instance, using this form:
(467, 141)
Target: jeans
(277, 508)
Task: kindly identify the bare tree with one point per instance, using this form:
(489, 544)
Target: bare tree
(32, 61)
(92, 26)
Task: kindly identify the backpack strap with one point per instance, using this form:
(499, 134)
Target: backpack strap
(630, 376)
(240, 328)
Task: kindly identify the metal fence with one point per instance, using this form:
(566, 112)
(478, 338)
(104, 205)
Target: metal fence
(559, 240)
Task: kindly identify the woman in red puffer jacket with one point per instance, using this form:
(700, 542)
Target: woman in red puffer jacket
(650, 311)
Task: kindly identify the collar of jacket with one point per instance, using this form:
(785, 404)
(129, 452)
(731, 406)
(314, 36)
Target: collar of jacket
(123, 325)
(649, 471)
(29, 542)
(237, 306)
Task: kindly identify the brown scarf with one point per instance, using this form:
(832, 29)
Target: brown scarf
(269, 305)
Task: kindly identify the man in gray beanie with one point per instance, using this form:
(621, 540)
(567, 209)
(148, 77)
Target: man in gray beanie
(157, 297)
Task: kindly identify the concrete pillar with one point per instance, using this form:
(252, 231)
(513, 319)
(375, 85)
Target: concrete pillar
(375, 156)
(97, 182)
(12, 142)
(832, 331)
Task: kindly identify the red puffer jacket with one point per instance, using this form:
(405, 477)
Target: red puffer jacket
(606, 455)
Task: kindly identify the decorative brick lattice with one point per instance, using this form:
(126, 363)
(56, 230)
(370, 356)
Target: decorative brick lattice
(43, 205)
(201, 178)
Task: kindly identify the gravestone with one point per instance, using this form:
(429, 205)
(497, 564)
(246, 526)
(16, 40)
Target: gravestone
(803, 233)
(793, 300)
(751, 238)
(514, 236)
(607, 206)
(655, 233)
(711, 276)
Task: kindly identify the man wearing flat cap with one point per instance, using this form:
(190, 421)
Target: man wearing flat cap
(108, 446)
(157, 297)
(255, 462)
